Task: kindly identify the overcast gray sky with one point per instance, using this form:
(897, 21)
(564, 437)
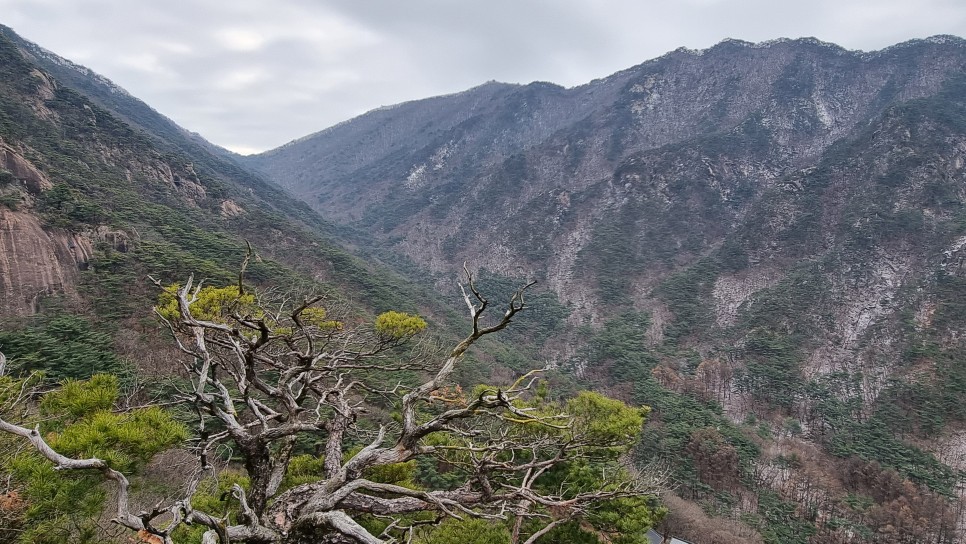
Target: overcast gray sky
(251, 75)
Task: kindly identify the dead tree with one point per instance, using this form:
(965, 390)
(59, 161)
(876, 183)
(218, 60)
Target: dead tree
(264, 376)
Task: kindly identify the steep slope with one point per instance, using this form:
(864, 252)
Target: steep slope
(92, 204)
(530, 180)
(165, 135)
(762, 241)
(464, 131)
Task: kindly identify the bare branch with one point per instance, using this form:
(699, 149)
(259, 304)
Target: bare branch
(61, 462)
(244, 266)
(341, 522)
(546, 529)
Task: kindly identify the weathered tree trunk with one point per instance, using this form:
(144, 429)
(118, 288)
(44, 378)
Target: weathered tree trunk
(266, 468)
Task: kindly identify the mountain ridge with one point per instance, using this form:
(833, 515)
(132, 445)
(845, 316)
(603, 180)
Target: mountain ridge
(941, 39)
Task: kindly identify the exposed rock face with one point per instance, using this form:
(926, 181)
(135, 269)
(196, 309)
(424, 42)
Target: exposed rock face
(35, 263)
(731, 291)
(45, 90)
(33, 179)
(118, 240)
(230, 208)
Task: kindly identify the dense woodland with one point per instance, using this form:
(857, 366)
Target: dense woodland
(746, 441)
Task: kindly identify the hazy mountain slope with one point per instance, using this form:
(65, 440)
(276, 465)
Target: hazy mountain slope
(414, 145)
(722, 125)
(92, 205)
(165, 135)
(797, 87)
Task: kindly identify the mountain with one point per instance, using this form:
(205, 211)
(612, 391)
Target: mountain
(100, 190)
(764, 242)
(410, 169)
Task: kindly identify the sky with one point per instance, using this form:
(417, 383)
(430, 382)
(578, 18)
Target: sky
(251, 75)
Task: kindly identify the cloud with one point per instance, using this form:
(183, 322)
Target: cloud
(240, 39)
(251, 75)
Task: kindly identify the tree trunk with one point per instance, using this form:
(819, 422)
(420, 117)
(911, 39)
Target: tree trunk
(265, 468)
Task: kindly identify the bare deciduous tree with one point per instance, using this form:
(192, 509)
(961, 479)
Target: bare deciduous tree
(266, 377)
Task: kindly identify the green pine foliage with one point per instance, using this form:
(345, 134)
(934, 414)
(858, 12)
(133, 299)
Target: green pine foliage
(211, 304)
(772, 374)
(779, 522)
(620, 521)
(78, 399)
(605, 421)
(78, 421)
(398, 325)
(620, 348)
(61, 346)
(468, 531)
(688, 296)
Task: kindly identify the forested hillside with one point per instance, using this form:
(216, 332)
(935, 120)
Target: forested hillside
(763, 242)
